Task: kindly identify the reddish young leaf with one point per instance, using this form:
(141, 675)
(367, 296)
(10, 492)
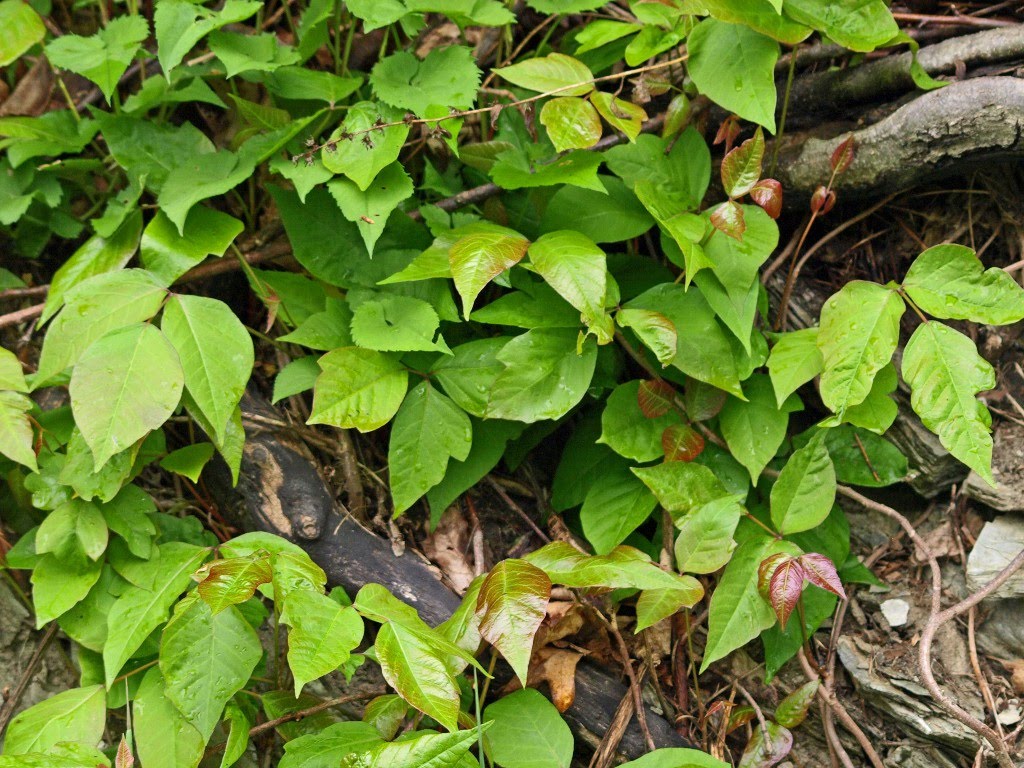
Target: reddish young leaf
(820, 571)
(760, 754)
(232, 580)
(767, 193)
(822, 200)
(739, 717)
(792, 710)
(511, 606)
(702, 401)
(124, 758)
(785, 588)
(767, 569)
(741, 167)
(681, 442)
(842, 156)
(728, 131)
(655, 398)
(728, 218)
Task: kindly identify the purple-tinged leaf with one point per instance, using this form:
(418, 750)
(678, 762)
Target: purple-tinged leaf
(655, 398)
(739, 717)
(842, 156)
(785, 588)
(821, 572)
(767, 193)
(792, 710)
(765, 754)
(727, 132)
(741, 167)
(702, 401)
(728, 219)
(681, 442)
(233, 580)
(512, 604)
(767, 569)
(822, 200)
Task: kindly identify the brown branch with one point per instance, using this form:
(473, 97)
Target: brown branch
(7, 711)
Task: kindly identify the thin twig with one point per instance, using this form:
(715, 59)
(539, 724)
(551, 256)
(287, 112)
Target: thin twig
(7, 711)
(758, 714)
(634, 684)
(517, 509)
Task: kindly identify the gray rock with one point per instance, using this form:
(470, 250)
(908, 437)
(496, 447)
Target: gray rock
(896, 612)
(1000, 541)
(1001, 632)
(1007, 468)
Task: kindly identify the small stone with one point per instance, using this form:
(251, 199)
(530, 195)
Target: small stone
(896, 612)
(1000, 541)
(1011, 715)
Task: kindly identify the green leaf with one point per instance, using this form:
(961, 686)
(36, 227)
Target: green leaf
(884, 464)
(571, 123)
(94, 307)
(795, 360)
(205, 660)
(105, 56)
(125, 385)
(468, 374)
(762, 15)
(78, 714)
(577, 168)
(369, 209)
(681, 486)
(945, 372)
(16, 435)
(576, 267)
(806, 489)
(608, 216)
(198, 178)
(77, 524)
(238, 734)
(546, 74)
(447, 77)
(792, 710)
(326, 748)
(417, 670)
(949, 281)
(755, 429)
(526, 731)
(233, 580)
(671, 757)
(544, 376)
(59, 585)
(654, 605)
(359, 388)
(322, 635)
(622, 115)
(357, 159)
(22, 29)
(478, 258)
(627, 430)
(163, 737)
(324, 330)
(860, 25)
(760, 752)
(734, 66)
(140, 610)
(860, 327)
(512, 604)
(879, 410)
(622, 568)
(310, 85)
(736, 262)
(738, 613)
(429, 429)
(168, 255)
(181, 24)
(397, 324)
(424, 750)
(96, 256)
(11, 374)
(741, 167)
(188, 461)
(656, 331)
(250, 53)
(705, 541)
(298, 376)
(127, 515)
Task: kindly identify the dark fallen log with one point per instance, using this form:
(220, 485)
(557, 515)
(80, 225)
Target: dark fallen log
(281, 491)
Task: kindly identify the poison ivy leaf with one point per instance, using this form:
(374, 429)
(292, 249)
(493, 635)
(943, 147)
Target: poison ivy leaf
(512, 604)
(765, 754)
(544, 376)
(608, 214)
(949, 281)
(359, 388)
(945, 372)
(385, 714)
(863, 458)
(325, 330)
(233, 580)
(168, 255)
(622, 568)
(654, 605)
(327, 747)
(738, 613)
(599, 32)
(878, 410)
(478, 258)
(447, 77)
(468, 374)
(860, 328)
(125, 385)
(755, 429)
(370, 208)
(181, 24)
(371, 149)
(163, 737)
(429, 429)
(736, 262)
(216, 354)
(806, 489)
(795, 360)
(854, 24)
(555, 72)
(624, 116)
(571, 123)
(397, 324)
(681, 486)
(576, 267)
(627, 430)
(705, 541)
(513, 170)
(428, 750)
(105, 56)
(781, 582)
(76, 715)
(322, 636)
(734, 66)
(205, 660)
(655, 330)
(140, 610)
(250, 53)
(11, 375)
(16, 436)
(616, 504)
(741, 167)
(417, 670)
(792, 710)
(526, 731)
(96, 256)
(298, 376)
(763, 15)
(22, 29)
(75, 526)
(60, 585)
(94, 307)
(671, 757)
